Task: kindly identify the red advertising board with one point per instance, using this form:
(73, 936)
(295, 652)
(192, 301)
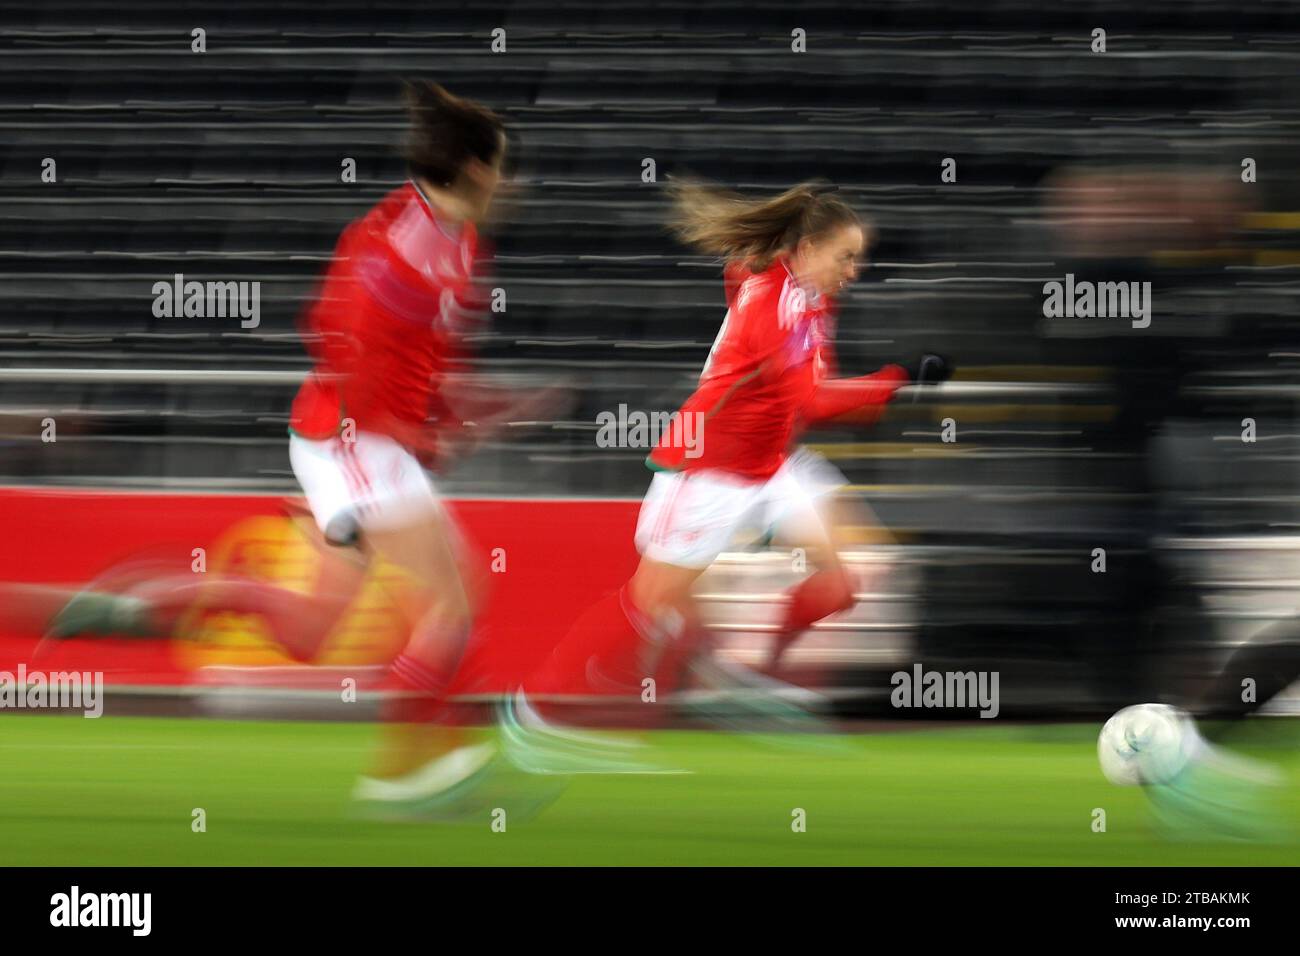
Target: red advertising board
(545, 562)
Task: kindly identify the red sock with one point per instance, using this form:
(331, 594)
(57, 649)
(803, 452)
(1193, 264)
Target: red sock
(599, 654)
(818, 596)
(421, 690)
(673, 664)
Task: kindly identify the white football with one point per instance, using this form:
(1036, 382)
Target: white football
(1146, 743)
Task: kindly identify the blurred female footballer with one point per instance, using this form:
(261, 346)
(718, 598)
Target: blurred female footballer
(385, 331)
(767, 378)
(388, 325)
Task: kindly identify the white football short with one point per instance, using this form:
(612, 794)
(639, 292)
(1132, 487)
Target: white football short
(689, 518)
(370, 483)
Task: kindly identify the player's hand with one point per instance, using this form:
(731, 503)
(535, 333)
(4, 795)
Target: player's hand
(929, 369)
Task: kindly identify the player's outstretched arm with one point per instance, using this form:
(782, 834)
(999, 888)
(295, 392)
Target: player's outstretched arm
(862, 400)
(859, 400)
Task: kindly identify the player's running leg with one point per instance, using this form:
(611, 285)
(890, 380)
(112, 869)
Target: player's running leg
(420, 753)
(810, 512)
(613, 647)
(148, 601)
(797, 508)
(377, 485)
(642, 631)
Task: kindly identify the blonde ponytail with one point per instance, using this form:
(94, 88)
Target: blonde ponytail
(754, 231)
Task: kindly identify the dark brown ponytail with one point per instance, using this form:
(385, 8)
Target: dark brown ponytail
(447, 132)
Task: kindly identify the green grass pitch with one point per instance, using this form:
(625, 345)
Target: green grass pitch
(121, 792)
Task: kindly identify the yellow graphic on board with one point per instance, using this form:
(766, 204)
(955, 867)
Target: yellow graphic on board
(271, 549)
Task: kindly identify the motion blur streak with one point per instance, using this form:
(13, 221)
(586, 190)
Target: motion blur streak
(1099, 236)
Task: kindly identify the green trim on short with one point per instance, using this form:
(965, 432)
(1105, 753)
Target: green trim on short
(661, 469)
(297, 434)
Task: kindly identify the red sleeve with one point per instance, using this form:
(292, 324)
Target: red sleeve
(865, 397)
